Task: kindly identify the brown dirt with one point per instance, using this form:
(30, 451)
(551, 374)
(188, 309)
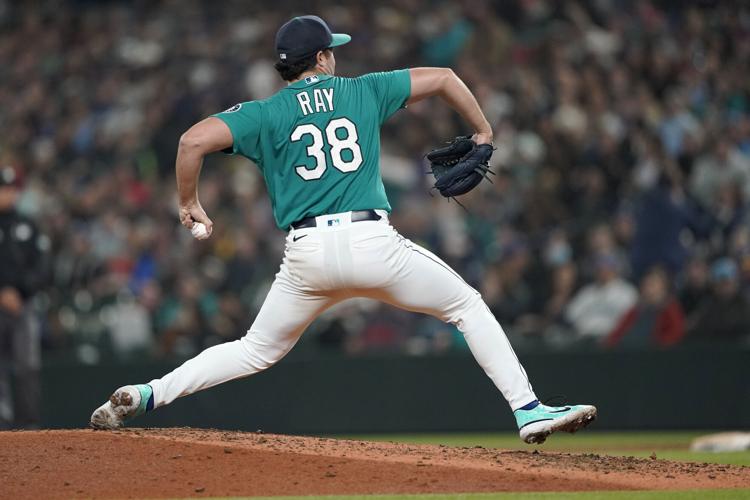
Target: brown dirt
(157, 463)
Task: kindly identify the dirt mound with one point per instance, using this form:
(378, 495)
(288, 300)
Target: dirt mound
(194, 463)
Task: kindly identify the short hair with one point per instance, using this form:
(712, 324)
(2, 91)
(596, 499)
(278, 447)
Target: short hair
(291, 71)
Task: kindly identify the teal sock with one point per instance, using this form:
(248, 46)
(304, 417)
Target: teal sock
(147, 398)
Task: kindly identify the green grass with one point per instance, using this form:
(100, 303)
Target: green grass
(668, 445)
(593, 495)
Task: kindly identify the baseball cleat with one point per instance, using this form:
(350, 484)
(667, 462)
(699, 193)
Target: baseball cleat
(125, 403)
(538, 422)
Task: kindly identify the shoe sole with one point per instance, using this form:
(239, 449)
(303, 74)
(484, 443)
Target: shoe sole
(537, 433)
(106, 416)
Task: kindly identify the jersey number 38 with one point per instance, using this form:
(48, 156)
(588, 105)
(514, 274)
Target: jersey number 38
(338, 146)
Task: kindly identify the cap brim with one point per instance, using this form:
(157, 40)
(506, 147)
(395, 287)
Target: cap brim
(339, 39)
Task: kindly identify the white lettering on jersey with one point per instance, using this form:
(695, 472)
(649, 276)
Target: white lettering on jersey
(322, 98)
(328, 93)
(319, 103)
(304, 102)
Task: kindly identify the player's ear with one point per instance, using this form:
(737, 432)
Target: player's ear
(324, 60)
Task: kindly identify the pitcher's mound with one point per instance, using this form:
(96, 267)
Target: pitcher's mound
(152, 463)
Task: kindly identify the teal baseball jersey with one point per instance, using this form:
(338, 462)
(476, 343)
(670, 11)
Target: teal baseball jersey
(317, 142)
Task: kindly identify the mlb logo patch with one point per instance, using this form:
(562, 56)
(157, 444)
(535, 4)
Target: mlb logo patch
(334, 222)
(311, 79)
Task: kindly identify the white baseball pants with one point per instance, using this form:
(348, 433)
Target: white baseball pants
(338, 260)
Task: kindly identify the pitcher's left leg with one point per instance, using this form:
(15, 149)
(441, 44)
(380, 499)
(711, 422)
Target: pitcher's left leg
(424, 283)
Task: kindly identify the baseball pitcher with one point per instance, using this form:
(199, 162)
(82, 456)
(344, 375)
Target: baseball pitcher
(317, 143)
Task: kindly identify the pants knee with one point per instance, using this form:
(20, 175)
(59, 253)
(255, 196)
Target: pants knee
(261, 353)
(469, 308)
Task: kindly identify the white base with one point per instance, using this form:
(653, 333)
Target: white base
(724, 441)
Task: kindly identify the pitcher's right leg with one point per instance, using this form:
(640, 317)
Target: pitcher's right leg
(285, 314)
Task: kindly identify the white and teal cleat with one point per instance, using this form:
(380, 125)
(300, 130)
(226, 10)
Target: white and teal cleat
(125, 403)
(537, 421)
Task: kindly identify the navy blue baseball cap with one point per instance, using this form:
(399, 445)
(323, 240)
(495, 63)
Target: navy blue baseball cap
(304, 36)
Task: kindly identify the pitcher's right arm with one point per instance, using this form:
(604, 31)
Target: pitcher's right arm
(204, 137)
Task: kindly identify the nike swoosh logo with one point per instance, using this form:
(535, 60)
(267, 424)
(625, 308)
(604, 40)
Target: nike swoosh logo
(562, 410)
(295, 238)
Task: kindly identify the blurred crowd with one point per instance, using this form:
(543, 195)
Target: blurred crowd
(618, 216)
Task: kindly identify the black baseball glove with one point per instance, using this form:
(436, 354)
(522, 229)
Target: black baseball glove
(460, 166)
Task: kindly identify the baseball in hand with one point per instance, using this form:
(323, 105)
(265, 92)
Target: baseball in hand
(199, 231)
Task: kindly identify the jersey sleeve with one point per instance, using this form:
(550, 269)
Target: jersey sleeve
(391, 90)
(244, 122)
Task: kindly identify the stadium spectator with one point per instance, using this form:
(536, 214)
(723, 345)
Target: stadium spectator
(559, 275)
(725, 315)
(644, 133)
(723, 165)
(595, 309)
(656, 320)
(601, 241)
(695, 286)
(23, 252)
(547, 320)
(506, 290)
(663, 215)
